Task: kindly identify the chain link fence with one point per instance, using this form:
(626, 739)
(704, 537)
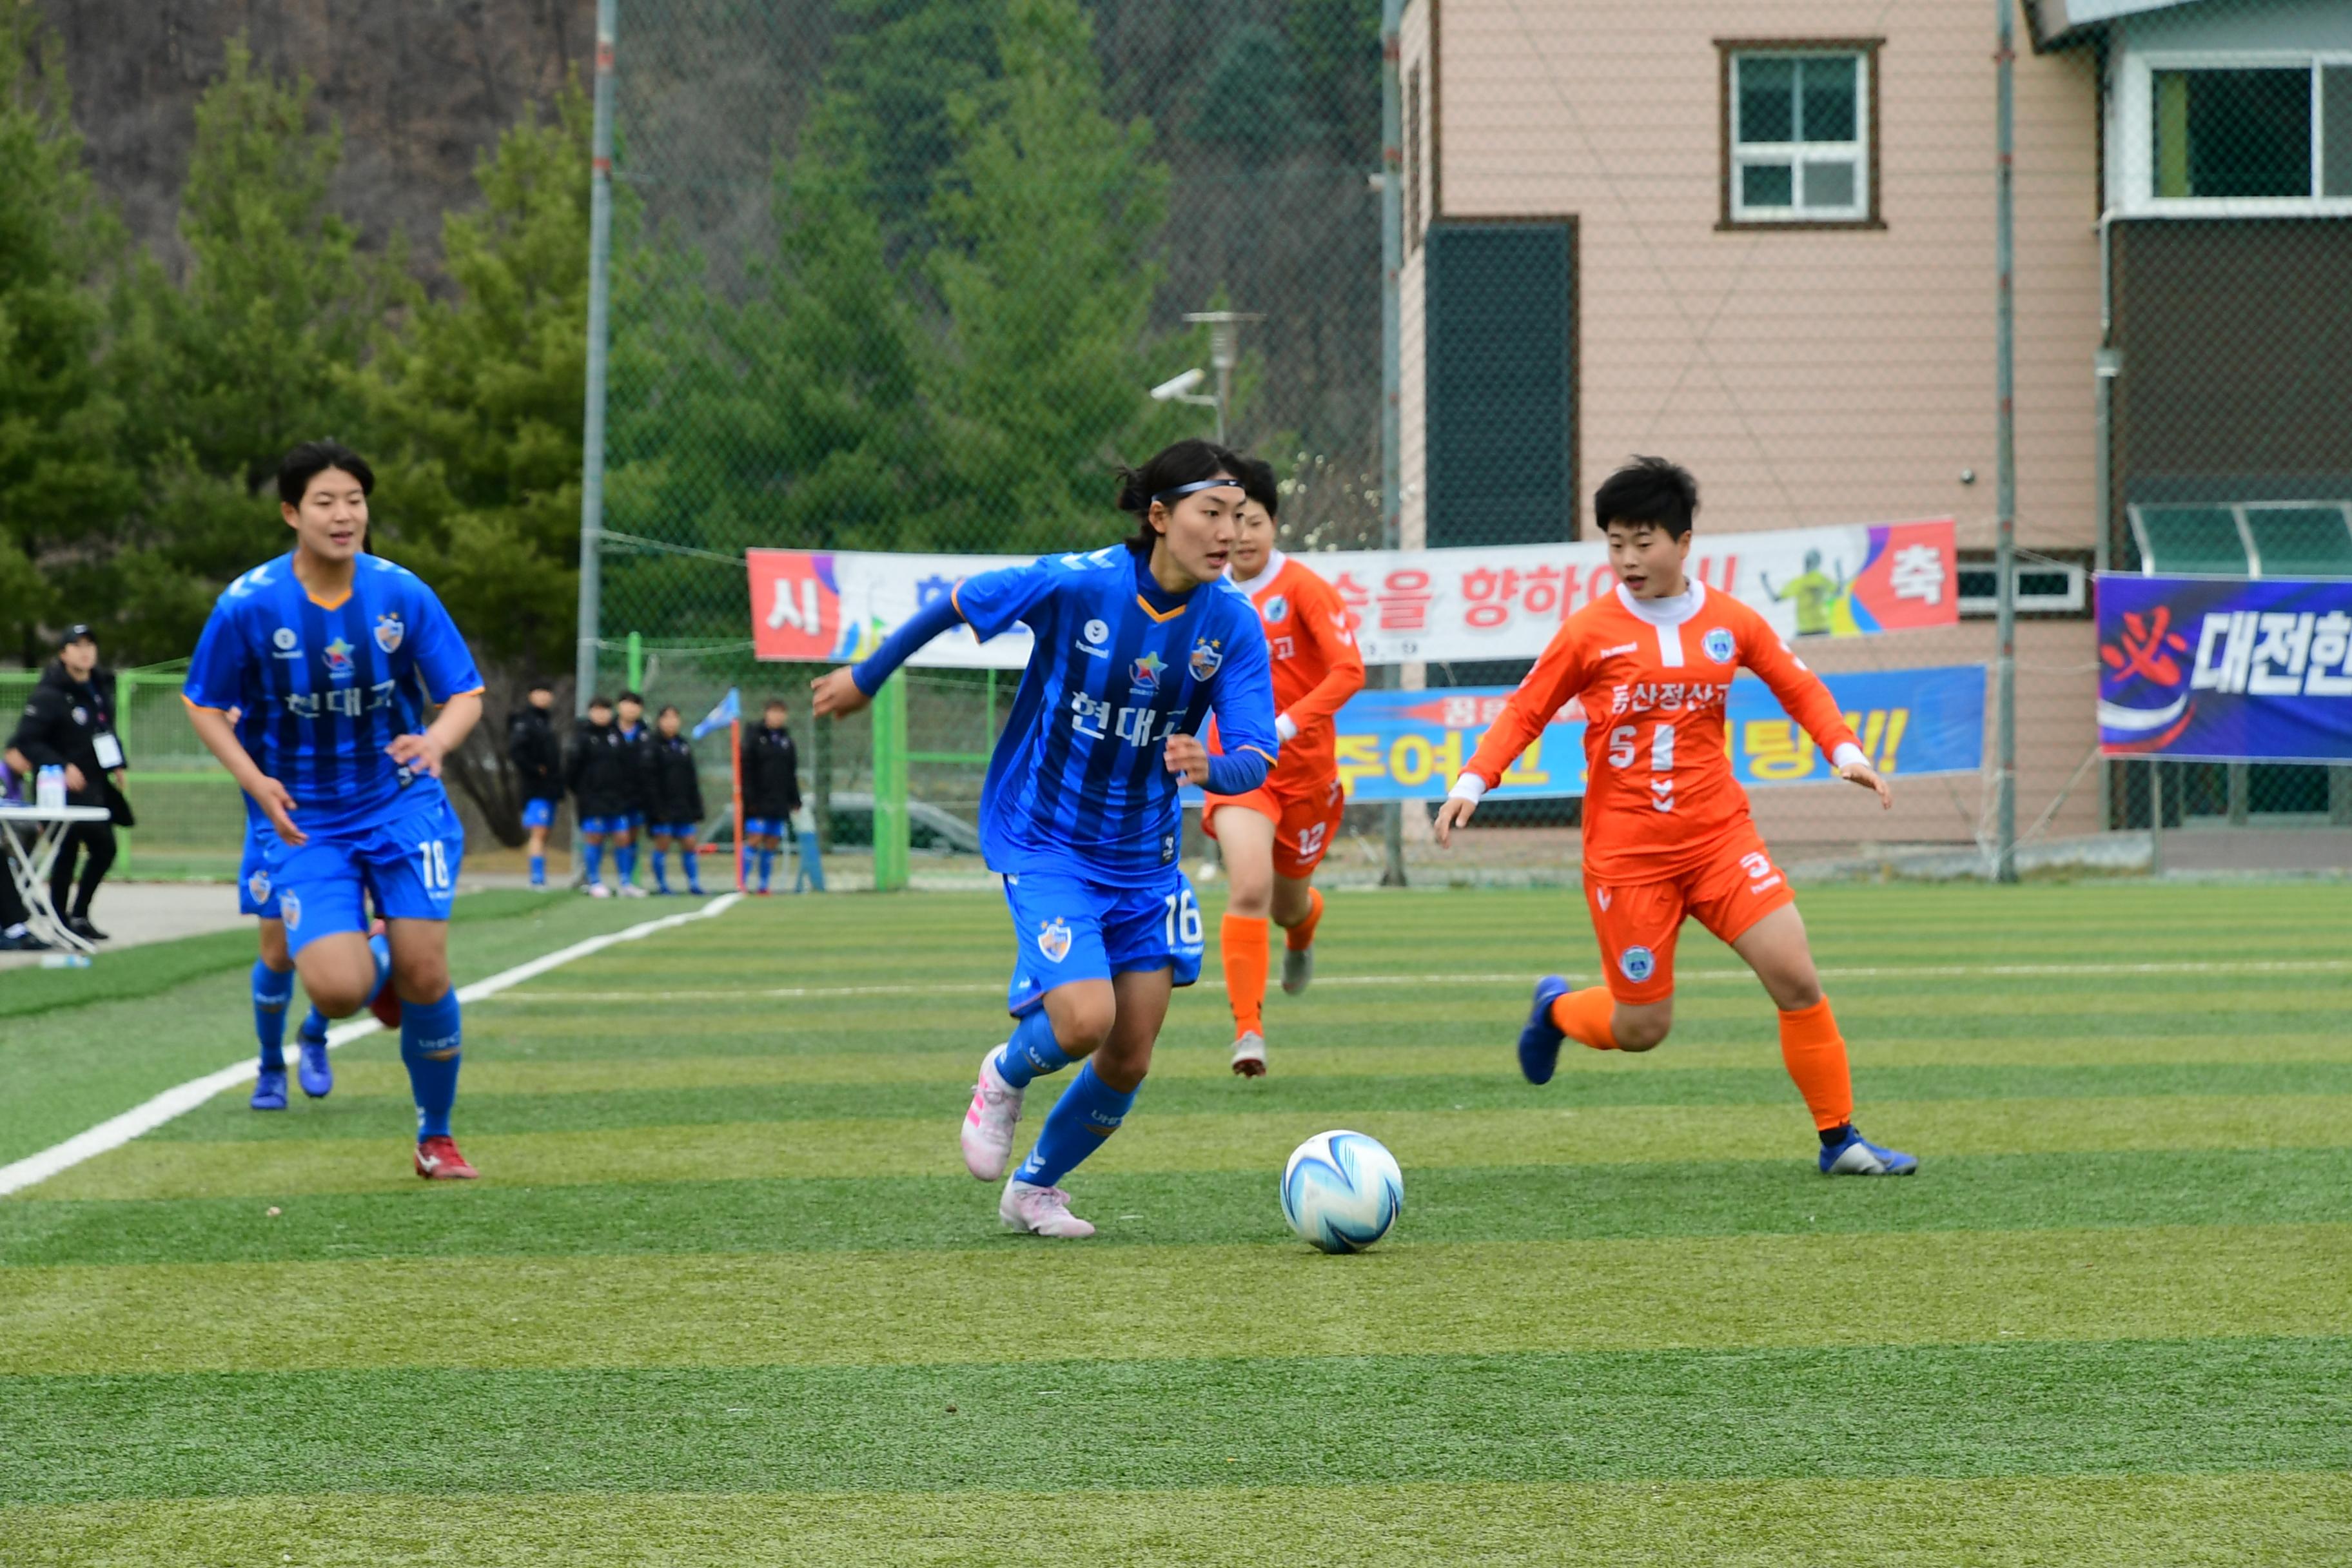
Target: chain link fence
(904, 274)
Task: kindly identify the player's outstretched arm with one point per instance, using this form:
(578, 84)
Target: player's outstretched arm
(1453, 812)
(1557, 678)
(1808, 702)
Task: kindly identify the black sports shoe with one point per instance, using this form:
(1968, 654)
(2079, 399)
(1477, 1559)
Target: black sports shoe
(23, 941)
(79, 925)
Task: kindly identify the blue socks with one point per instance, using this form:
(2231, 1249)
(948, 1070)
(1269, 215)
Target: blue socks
(1088, 1111)
(1032, 1053)
(539, 870)
(430, 1039)
(624, 863)
(767, 867)
(272, 993)
(692, 863)
(595, 853)
(661, 869)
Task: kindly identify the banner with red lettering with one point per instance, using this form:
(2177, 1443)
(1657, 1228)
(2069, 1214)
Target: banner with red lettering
(1488, 601)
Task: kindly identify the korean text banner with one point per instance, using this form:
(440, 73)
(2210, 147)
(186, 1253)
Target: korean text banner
(1411, 746)
(2225, 669)
(1484, 601)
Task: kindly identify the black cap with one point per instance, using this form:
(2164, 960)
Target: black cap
(78, 632)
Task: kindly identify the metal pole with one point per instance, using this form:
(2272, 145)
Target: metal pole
(1392, 352)
(2005, 538)
(600, 301)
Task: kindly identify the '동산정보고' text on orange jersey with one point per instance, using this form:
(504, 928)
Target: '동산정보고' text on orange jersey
(1316, 668)
(1653, 677)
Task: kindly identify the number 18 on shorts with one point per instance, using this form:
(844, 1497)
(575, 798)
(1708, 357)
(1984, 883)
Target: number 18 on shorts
(1067, 928)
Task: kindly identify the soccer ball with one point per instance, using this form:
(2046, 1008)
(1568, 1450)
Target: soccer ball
(1341, 1191)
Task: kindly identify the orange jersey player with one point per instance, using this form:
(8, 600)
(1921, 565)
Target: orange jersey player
(1274, 835)
(1666, 828)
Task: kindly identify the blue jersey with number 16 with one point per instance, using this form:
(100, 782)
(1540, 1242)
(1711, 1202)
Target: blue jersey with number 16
(322, 689)
(1078, 782)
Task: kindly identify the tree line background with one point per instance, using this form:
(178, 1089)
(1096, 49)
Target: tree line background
(886, 274)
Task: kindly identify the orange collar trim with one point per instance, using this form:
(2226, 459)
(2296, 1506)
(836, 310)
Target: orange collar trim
(1162, 616)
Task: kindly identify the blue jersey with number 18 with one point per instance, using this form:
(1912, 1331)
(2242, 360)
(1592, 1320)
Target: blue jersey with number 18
(1078, 783)
(322, 689)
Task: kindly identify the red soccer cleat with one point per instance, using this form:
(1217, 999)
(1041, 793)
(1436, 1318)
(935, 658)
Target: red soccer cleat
(437, 1159)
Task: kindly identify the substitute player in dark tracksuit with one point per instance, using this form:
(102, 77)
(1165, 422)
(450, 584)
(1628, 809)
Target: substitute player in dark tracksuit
(603, 773)
(772, 787)
(70, 723)
(673, 802)
(537, 760)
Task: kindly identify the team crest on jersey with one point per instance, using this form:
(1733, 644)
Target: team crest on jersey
(1718, 644)
(339, 656)
(290, 909)
(1208, 656)
(259, 886)
(287, 641)
(388, 632)
(1277, 610)
(1146, 671)
(1054, 939)
(1638, 962)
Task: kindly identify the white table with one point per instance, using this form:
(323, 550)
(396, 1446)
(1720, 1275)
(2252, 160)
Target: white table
(31, 836)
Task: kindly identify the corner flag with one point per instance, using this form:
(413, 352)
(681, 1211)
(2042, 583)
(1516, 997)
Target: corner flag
(729, 709)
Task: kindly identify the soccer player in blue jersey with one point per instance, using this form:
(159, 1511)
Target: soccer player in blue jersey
(1135, 645)
(329, 654)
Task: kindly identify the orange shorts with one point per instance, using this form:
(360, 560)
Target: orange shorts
(1637, 924)
(1303, 823)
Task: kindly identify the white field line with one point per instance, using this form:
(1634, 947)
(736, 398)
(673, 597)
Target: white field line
(1892, 972)
(117, 1130)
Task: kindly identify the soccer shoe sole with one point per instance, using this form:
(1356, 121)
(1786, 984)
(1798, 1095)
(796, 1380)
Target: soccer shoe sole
(985, 1162)
(1249, 1055)
(1298, 970)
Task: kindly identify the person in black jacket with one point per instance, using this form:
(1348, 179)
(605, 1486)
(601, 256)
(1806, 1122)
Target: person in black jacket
(636, 742)
(673, 802)
(539, 764)
(604, 787)
(771, 786)
(70, 723)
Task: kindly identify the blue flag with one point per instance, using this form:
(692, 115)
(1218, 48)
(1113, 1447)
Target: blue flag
(729, 709)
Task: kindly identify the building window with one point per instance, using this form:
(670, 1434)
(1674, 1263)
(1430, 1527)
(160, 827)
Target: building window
(2253, 135)
(1800, 121)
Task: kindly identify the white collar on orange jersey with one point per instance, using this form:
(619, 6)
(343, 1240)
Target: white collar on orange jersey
(1274, 562)
(1671, 612)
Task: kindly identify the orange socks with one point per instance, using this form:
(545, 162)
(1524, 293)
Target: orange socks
(1245, 943)
(1301, 937)
(1583, 1016)
(1815, 1054)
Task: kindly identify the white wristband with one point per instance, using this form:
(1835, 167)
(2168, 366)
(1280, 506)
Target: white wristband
(1469, 787)
(1848, 753)
(1285, 727)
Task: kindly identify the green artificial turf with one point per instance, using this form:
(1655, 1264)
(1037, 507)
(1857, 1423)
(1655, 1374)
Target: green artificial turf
(725, 1295)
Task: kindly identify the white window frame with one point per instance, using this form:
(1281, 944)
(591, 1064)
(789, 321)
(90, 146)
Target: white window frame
(2135, 133)
(1740, 154)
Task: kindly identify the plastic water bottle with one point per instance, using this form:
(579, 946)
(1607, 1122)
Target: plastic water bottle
(65, 961)
(49, 788)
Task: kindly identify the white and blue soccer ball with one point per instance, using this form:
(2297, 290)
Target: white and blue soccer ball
(1341, 1191)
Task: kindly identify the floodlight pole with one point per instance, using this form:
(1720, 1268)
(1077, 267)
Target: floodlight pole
(1224, 353)
(600, 301)
(1392, 355)
(2005, 461)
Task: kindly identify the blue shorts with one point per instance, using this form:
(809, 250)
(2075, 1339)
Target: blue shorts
(766, 827)
(620, 821)
(409, 864)
(257, 894)
(1067, 928)
(685, 830)
(539, 813)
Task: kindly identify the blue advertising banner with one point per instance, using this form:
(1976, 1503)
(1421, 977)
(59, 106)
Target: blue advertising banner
(2225, 669)
(1411, 746)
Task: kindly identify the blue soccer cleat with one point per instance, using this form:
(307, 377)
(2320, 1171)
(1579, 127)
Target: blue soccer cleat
(269, 1090)
(1858, 1156)
(317, 1077)
(1540, 1041)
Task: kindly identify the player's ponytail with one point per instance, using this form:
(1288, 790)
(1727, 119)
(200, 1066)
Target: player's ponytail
(1171, 468)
